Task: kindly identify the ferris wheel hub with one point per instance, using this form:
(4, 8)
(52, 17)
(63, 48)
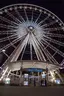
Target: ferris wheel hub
(31, 29)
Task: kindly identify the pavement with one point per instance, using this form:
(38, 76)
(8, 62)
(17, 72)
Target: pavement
(31, 91)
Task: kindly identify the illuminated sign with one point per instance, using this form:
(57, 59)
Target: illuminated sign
(34, 70)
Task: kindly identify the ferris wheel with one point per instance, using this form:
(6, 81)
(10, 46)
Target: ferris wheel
(32, 31)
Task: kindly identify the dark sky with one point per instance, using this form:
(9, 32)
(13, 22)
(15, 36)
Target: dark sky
(56, 6)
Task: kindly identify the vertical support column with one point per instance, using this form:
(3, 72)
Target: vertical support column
(32, 73)
(21, 79)
(16, 77)
(46, 76)
(32, 78)
(13, 77)
(17, 72)
(38, 76)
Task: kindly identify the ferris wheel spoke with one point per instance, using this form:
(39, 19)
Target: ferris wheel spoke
(12, 31)
(54, 35)
(26, 14)
(38, 17)
(8, 59)
(23, 51)
(54, 41)
(8, 21)
(8, 45)
(53, 29)
(19, 49)
(9, 72)
(20, 16)
(54, 48)
(35, 49)
(47, 54)
(44, 50)
(32, 16)
(7, 26)
(7, 38)
(8, 32)
(41, 22)
(5, 54)
(62, 63)
(12, 43)
(40, 51)
(18, 39)
(51, 58)
(11, 55)
(17, 21)
(48, 24)
(31, 50)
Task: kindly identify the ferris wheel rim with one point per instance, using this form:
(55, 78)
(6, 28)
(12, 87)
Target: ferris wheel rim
(33, 6)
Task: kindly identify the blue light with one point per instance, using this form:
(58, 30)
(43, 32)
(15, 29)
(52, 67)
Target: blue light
(34, 70)
(57, 81)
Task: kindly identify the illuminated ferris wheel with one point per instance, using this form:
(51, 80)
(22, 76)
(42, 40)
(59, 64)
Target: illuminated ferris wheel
(32, 32)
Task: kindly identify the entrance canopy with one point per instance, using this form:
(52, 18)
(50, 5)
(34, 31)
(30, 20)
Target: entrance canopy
(30, 64)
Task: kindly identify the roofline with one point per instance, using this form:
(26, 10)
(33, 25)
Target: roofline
(34, 61)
